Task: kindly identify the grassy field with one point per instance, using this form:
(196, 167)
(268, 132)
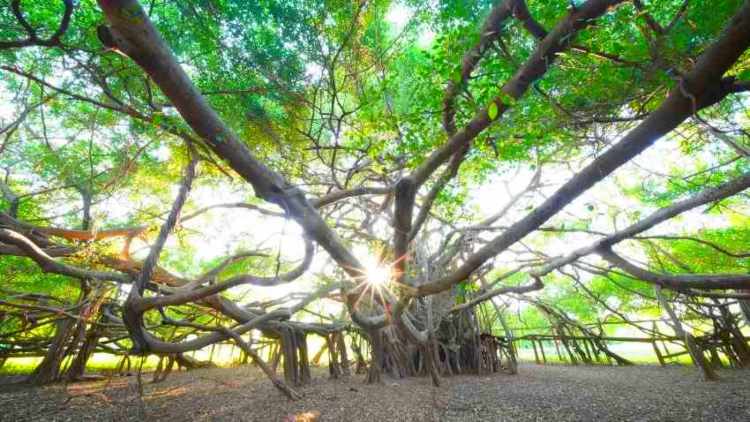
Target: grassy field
(226, 356)
(100, 362)
(223, 355)
(638, 353)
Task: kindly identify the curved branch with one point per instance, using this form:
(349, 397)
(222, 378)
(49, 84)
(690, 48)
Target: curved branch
(534, 68)
(489, 33)
(706, 87)
(50, 265)
(32, 37)
(88, 235)
(133, 309)
(710, 244)
(134, 35)
(343, 194)
(707, 196)
(536, 285)
(181, 296)
(678, 282)
(156, 345)
(232, 205)
(450, 172)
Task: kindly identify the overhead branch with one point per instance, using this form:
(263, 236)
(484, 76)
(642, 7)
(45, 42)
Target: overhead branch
(50, 265)
(488, 34)
(402, 219)
(132, 32)
(134, 309)
(677, 282)
(708, 243)
(706, 86)
(449, 173)
(186, 295)
(91, 235)
(537, 284)
(32, 38)
(543, 56)
(244, 205)
(705, 197)
(349, 193)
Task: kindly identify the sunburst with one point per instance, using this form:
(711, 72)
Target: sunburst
(378, 276)
(375, 283)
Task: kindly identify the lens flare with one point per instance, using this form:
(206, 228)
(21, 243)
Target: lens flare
(378, 275)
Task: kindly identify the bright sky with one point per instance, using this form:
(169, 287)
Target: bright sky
(399, 16)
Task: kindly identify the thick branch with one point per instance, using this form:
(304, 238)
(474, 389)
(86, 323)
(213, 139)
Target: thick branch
(534, 68)
(707, 196)
(678, 282)
(50, 265)
(706, 87)
(132, 32)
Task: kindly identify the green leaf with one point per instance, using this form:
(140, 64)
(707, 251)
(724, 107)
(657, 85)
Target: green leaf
(492, 110)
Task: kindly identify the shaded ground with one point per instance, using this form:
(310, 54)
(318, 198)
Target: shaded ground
(596, 393)
(537, 393)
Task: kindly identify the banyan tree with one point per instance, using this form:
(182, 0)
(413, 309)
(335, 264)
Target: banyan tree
(407, 177)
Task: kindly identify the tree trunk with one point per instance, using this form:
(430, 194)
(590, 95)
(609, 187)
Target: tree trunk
(693, 349)
(48, 370)
(78, 367)
(376, 361)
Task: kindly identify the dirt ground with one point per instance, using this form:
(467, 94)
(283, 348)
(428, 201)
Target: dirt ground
(558, 393)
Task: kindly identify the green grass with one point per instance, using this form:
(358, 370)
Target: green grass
(222, 355)
(99, 363)
(19, 366)
(641, 354)
(638, 353)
